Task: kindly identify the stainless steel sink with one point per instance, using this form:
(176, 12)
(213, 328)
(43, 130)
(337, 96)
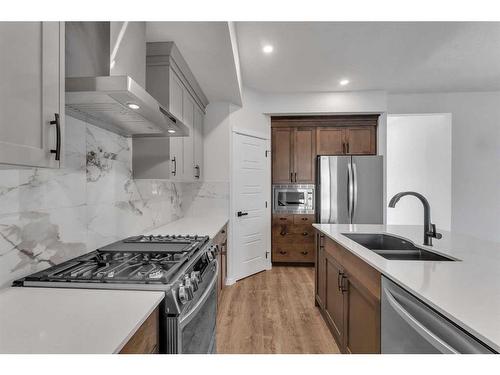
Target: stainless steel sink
(394, 248)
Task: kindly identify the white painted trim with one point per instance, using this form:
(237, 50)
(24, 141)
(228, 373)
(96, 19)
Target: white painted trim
(251, 133)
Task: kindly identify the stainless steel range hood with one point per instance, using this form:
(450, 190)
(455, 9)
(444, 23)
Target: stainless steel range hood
(105, 80)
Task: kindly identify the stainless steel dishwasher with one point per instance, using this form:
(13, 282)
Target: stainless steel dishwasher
(409, 326)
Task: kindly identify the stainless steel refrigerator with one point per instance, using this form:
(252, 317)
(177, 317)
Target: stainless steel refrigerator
(349, 189)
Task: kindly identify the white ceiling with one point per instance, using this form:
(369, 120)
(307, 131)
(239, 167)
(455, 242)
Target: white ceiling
(397, 57)
(206, 47)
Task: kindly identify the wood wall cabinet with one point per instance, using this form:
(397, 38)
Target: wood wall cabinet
(146, 338)
(293, 155)
(348, 295)
(346, 140)
(292, 239)
(32, 93)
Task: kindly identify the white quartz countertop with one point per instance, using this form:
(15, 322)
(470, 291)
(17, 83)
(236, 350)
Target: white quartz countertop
(467, 291)
(209, 224)
(52, 320)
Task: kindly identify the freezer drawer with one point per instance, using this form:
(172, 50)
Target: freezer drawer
(409, 326)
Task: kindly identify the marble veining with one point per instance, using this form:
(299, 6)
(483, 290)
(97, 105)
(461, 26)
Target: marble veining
(48, 216)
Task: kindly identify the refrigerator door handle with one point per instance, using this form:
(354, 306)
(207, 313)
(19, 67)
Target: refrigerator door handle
(354, 191)
(350, 188)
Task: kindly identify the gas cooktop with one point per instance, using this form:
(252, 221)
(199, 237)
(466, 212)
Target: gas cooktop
(138, 260)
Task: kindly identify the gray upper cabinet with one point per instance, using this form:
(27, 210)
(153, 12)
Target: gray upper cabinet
(31, 93)
(198, 144)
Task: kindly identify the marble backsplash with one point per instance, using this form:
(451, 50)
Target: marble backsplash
(48, 216)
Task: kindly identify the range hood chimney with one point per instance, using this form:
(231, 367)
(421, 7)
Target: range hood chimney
(105, 80)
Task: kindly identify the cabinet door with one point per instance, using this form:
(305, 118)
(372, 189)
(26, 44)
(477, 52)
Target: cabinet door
(304, 151)
(188, 142)
(361, 140)
(334, 299)
(320, 271)
(281, 154)
(175, 96)
(198, 143)
(362, 324)
(330, 141)
(31, 92)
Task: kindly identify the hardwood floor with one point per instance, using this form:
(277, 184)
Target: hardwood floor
(273, 312)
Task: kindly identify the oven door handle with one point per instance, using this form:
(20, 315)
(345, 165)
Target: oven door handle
(189, 315)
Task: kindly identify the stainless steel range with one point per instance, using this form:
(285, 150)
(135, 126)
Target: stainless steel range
(184, 267)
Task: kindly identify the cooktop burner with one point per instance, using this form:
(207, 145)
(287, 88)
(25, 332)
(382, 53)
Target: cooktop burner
(134, 260)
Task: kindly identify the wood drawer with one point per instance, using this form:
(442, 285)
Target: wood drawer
(293, 238)
(145, 340)
(303, 219)
(283, 218)
(293, 252)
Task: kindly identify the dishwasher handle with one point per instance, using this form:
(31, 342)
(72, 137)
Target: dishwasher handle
(429, 336)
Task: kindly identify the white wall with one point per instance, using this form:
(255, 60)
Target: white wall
(475, 155)
(419, 159)
(216, 133)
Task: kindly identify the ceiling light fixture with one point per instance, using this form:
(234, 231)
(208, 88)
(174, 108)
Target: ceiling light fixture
(267, 48)
(171, 131)
(344, 82)
(133, 106)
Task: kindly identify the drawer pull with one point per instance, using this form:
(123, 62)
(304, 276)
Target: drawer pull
(305, 234)
(282, 252)
(282, 218)
(304, 252)
(304, 218)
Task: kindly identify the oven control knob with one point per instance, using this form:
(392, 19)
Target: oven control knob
(196, 275)
(210, 255)
(183, 296)
(188, 286)
(194, 281)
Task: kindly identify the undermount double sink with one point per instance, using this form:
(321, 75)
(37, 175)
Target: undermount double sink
(395, 248)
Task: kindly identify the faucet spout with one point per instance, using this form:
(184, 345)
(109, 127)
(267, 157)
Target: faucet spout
(429, 228)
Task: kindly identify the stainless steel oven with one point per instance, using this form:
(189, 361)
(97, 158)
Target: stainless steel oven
(193, 330)
(293, 199)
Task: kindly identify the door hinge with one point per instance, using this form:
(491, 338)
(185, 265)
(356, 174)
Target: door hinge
(266, 204)
(267, 153)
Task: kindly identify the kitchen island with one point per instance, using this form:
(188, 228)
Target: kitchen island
(466, 291)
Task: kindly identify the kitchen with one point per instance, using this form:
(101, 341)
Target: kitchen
(176, 188)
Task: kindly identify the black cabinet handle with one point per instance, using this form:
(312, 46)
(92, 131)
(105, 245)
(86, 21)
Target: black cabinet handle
(283, 230)
(340, 275)
(282, 218)
(282, 252)
(291, 176)
(57, 123)
(343, 286)
(304, 219)
(304, 252)
(347, 146)
(242, 213)
(305, 234)
(295, 175)
(174, 172)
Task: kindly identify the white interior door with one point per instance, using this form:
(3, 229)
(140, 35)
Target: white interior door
(251, 240)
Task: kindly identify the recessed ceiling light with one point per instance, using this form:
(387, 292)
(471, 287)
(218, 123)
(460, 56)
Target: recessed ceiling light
(171, 131)
(133, 106)
(267, 48)
(344, 82)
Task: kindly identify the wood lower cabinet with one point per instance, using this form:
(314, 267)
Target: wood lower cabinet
(220, 240)
(347, 292)
(293, 239)
(146, 339)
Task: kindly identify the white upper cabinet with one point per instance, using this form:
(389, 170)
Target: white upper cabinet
(188, 108)
(198, 143)
(176, 89)
(31, 93)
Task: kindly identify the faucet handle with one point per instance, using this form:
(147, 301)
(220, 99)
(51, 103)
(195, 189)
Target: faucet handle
(432, 232)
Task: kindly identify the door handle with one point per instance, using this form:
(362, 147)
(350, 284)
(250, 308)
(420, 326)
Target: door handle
(240, 213)
(57, 123)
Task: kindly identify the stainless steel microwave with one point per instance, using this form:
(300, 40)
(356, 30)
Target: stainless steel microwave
(293, 199)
